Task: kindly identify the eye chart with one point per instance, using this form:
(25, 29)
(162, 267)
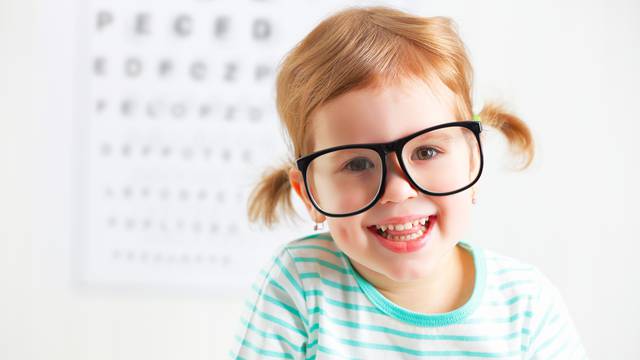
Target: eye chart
(176, 120)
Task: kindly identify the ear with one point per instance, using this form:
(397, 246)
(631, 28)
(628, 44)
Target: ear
(297, 183)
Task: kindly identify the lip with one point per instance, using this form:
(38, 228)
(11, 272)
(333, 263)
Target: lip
(403, 219)
(406, 246)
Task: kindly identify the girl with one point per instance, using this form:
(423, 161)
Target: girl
(377, 104)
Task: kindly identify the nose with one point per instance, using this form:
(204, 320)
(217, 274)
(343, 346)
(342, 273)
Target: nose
(398, 187)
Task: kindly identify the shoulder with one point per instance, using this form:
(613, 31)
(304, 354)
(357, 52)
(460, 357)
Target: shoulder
(547, 324)
(319, 246)
(310, 253)
(514, 276)
(317, 256)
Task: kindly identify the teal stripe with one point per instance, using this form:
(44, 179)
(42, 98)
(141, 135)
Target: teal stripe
(514, 283)
(290, 277)
(333, 284)
(246, 343)
(345, 305)
(324, 263)
(314, 310)
(329, 351)
(314, 327)
(271, 282)
(387, 330)
(277, 285)
(309, 275)
(543, 323)
(308, 293)
(400, 349)
(267, 335)
(509, 319)
(355, 307)
(321, 236)
(292, 310)
(560, 350)
(508, 270)
(510, 284)
(574, 352)
(551, 338)
(337, 254)
(274, 319)
(312, 344)
(554, 318)
(510, 301)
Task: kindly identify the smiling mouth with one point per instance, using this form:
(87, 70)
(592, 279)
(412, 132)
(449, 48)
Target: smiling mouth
(416, 232)
(408, 241)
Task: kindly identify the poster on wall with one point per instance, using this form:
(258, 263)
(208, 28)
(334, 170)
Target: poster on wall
(176, 120)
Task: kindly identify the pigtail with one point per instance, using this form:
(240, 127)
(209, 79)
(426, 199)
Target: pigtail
(272, 193)
(513, 128)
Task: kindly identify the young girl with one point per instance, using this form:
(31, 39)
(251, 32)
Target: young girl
(377, 104)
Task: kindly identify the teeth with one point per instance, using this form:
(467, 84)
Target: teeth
(401, 227)
(413, 236)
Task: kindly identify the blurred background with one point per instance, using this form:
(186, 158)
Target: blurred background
(131, 134)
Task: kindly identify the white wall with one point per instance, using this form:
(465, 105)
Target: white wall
(569, 68)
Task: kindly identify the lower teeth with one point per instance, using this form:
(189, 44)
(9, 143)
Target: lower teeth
(408, 237)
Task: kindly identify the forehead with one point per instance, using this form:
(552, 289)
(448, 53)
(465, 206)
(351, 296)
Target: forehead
(381, 114)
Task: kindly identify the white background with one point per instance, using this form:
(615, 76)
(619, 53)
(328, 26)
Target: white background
(568, 68)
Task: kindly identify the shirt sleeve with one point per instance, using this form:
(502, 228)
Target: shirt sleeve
(552, 333)
(274, 321)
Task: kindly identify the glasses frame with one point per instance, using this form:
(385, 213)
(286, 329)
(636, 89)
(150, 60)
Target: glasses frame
(383, 149)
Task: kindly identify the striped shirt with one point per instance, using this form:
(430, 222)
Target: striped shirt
(310, 303)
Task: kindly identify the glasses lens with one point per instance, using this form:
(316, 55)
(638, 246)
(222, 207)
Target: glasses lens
(344, 181)
(443, 160)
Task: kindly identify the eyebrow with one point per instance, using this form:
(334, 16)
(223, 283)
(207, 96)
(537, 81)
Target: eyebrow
(440, 135)
(341, 154)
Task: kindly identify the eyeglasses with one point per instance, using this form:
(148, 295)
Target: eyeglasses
(349, 179)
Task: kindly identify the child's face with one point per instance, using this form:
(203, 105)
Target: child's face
(381, 115)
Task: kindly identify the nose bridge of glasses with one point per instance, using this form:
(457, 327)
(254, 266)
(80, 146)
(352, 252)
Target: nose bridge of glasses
(392, 148)
(393, 159)
(393, 188)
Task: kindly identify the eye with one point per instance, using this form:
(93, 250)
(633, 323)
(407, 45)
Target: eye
(425, 153)
(359, 164)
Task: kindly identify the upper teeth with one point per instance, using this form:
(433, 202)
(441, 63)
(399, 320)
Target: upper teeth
(405, 226)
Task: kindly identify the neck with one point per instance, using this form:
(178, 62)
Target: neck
(452, 280)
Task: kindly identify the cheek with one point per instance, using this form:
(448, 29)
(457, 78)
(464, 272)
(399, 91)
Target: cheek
(455, 215)
(346, 233)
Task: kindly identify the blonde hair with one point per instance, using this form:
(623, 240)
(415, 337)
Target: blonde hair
(366, 47)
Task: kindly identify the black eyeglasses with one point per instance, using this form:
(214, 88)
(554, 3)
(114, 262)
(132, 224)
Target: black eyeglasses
(349, 179)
